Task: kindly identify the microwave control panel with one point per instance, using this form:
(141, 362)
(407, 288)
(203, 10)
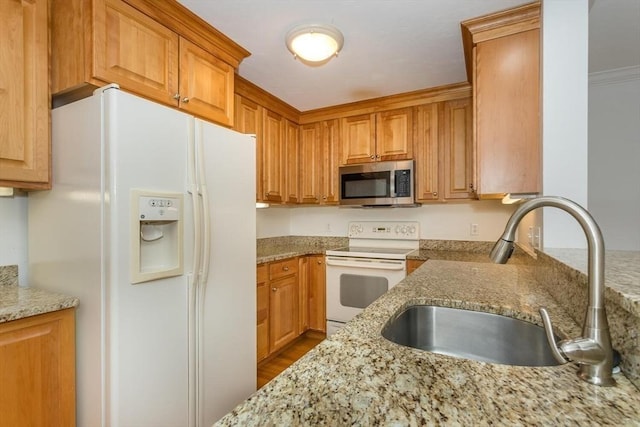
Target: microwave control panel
(403, 183)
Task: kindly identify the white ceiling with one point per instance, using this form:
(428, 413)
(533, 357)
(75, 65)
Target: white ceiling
(391, 46)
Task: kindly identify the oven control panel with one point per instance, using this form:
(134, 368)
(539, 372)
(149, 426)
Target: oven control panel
(392, 230)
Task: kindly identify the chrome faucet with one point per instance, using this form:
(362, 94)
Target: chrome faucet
(593, 350)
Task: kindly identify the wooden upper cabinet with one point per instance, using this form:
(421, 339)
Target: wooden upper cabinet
(248, 119)
(206, 84)
(457, 143)
(134, 51)
(330, 155)
(503, 56)
(394, 134)
(291, 162)
(319, 158)
(427, 152)
(159, 50)
(358, 139)
(272, 157)
(378, 137)
(444, 151)
(310, 164)
(24, 95)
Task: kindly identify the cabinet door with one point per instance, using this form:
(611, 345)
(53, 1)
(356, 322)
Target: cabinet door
(272, 172)
(262, 315)
(303, 294)
(206, 84)
(507, 108)
(358, 139)
(394, 134)
(37, 370)
(457, 146)
(292, 162)
(283, 309)
(317, 294)
(330, 155)
(310, 163)
(135, 51)
(427, 152)
(24, 94)
(248, 119)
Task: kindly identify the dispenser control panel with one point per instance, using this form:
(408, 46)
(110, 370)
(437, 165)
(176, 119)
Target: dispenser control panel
(158, 209)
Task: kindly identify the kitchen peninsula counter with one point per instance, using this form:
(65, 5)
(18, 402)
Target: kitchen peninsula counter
(356, 377)
(17, 302)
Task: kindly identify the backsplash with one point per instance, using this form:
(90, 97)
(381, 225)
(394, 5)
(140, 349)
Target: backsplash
(8, 275)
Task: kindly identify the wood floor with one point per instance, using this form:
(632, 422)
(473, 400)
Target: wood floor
(270, 368)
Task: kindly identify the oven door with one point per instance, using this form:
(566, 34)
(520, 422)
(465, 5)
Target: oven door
(354, 283)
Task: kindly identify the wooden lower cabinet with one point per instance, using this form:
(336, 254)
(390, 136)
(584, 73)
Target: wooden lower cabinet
(37, 370)
(317, 294)
(262, 306)
(290, 298)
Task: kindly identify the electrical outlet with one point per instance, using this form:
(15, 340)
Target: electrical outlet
(328, 228)
(474, 230)
(537, 238)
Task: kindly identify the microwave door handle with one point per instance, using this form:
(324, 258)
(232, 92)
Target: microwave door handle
(386, 265)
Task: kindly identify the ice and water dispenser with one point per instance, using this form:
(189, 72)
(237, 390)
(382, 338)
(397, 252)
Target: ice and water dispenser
(156, 235)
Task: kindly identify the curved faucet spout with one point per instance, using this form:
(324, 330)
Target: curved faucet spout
(595, 328)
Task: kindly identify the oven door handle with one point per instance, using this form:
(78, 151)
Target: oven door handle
(366, 263)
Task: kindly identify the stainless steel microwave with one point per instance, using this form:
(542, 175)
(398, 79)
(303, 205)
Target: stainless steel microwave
(378, 184)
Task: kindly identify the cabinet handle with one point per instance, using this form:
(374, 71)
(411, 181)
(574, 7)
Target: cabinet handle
(185, 100)
(274, 289)
(176, 96)
(285, 268)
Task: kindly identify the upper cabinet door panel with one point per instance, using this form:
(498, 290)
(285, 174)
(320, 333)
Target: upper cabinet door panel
(394, 134)
(206, 84)
(358, 139)
(135, 51)
(24, 94)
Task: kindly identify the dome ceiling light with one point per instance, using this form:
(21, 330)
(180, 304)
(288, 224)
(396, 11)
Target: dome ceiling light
(314, 43)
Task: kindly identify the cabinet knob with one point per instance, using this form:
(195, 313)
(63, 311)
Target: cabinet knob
(274, 289)
(435, 194)
(319, 261)
(285, 268)
(324, 197)
(372, 157)
(378, 156)
(176, 96)
(185, 100)
(471, 186)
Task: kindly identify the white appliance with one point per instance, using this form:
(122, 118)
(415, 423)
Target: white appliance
(151, 223)
(373, 263)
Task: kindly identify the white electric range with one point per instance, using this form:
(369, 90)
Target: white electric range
(373, 263)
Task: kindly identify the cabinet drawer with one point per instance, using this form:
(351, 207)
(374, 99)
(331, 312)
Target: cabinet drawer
(283, 268)
(262, 273)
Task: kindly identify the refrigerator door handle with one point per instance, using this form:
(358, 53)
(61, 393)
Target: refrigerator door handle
(204, 198)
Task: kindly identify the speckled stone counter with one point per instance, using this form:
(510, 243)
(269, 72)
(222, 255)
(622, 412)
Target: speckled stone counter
(356, 377)
(277, 248)
(17, 302)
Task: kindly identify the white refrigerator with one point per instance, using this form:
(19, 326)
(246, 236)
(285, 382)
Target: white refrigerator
(151, 223)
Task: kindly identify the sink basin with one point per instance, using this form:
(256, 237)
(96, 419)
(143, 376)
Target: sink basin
(471, 335)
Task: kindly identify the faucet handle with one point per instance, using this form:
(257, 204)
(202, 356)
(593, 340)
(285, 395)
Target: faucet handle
(548, 328)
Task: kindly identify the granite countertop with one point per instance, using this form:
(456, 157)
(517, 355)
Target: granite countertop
(356, 377)
(17, 302)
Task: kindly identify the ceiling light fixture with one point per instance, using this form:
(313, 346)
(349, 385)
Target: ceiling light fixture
(314, 43)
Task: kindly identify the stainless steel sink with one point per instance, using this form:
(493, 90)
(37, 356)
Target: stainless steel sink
(471, 335)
